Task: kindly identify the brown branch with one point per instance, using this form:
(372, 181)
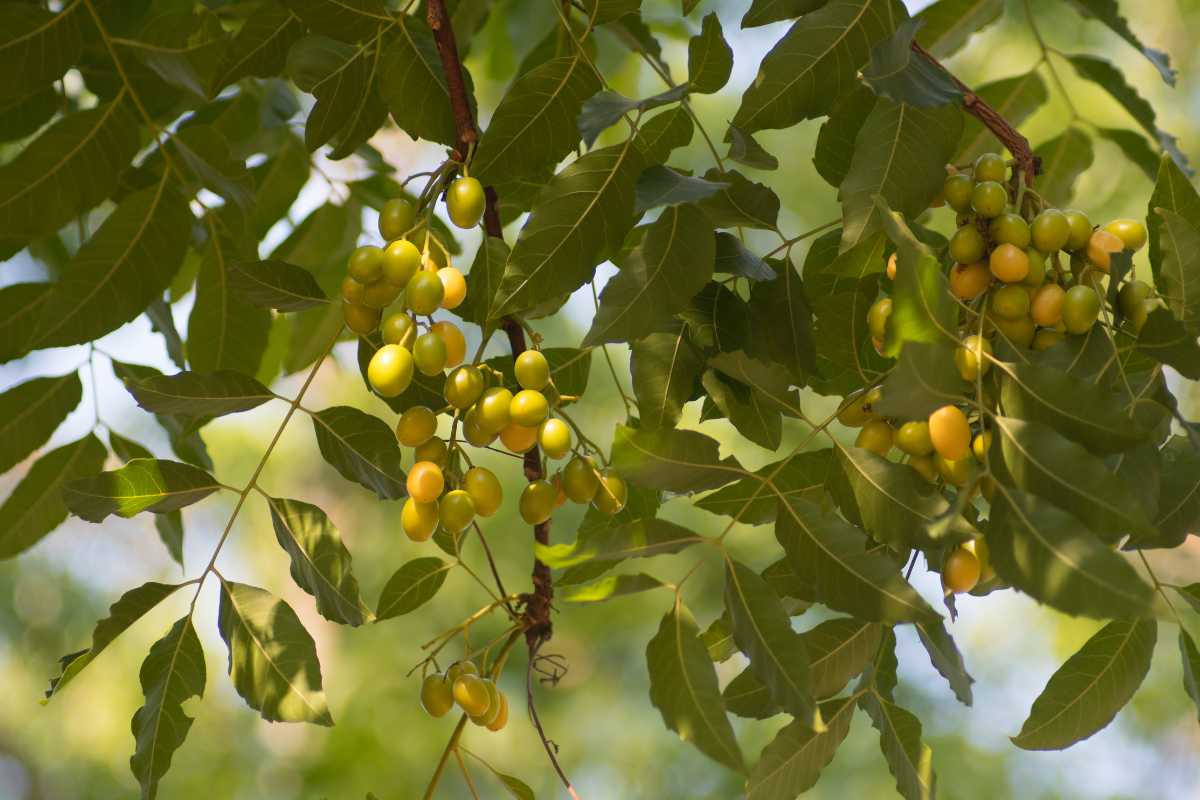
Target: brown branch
(1009, 136)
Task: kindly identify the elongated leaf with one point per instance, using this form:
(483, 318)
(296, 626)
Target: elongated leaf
(835, 140)
(663, 186)
(412, 586)
(663, 133)
(362, 448)
(604, 109)
(172, 673)
(710, 59)
(743, 203)
(924, 380)
(791, 764)
(898, 73)
(659, 278)
(1191, 667)
(774, 389)
(260, 47)
(580, 217)
(38, 45)
(320, 562)
(1174, 192)
(1179, 494)
(764, 633)
(348, 20)
(909, 758)
(31, 411)
(534, 125)
(1050, 556)
(1136, 148)
(683, 687)
(674, 461)
(1178, 275)
(1165, 340)
(199, 394)
(923, 310)
(128, 609)
(412, 83)
(1013, 98)
(1046, 464)
(640, 538)
(829, 553)
(754, 501)
(764, 12)
(664, 368)
(67, 170)
(734, 258)
(750, 413)
(278, 183)
(487, 270)
(275, 284)
(948, 24)
(144, 484)
(1086, 692)
(272, 658)
(781, 318)
(609, 587)
(36, 507)
(815, 63)
(944, 655)
(168, 524)
(1064, 159)
(1108, 13)
(185, 440)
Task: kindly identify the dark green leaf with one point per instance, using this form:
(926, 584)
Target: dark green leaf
(274, 284)
(909, 758)
(342, 78)
(683, 687)
(948, 24)
(745, 149)
(39, 46)
(664, 368)
(791, 764)
(1050, 556)
(898, 73)
(602, 11)
(1064, 158)
(1177, 276)
(483, 280)
(663, 133)
(272, 658)
(764, 12)
(752, 501)
(348, 20)
(278, 183)
(781, 320)
(944, 655)
(604, 109)
(637, 539)
(1135, 147)
(774, 389)
(29, 110)
(838, 134)
(671, 460)
(924, 380)
(260, 48)
(1191, 666)
(224, 331)
(1108, 13)
(663, 186)
(172, 673)
(162, 322)
(743, 204)
(710, 60)
(185, 439)
(1086, 692)
(751, 413)
(31, 411)
(320, 562)
(734, 258)
(412, 586)
(1174, 192)
(1179, 492)
(143, 484)
(923, 310)
(362, 448)
(199, 394)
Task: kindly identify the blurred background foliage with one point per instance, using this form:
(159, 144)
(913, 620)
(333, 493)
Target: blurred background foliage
(613, 743)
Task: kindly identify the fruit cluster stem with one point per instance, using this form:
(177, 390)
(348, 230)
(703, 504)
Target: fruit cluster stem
(992, 119)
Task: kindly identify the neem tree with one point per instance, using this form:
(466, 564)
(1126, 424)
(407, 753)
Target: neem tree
(1017, 428)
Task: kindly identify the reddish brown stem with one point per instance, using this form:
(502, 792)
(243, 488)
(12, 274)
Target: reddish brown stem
(1009, 136)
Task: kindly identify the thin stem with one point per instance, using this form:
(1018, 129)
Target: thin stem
(1159, 587)
(462, 765)
(630, 406)
(451, 745)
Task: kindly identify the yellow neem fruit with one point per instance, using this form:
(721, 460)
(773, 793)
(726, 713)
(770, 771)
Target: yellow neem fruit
(913, 438)
(471, 694)
(875, 436)
(456, 344)
(454, 287)
(518, 438)
(501, 719)
(611, 495)
(390, 370)
(532, 370)
(416, 426)
(555, 438)
(425, 482)
(419, 520)
(434, 451)
(437, 695)
(950, 433)
(960, 570)
(485, 490)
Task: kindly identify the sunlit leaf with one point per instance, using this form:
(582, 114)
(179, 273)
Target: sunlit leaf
(949, 24)
(362, 448)
(609, 587)
(412, 586)
(792, 762)
(275, 284)
(141, 485)
(908, 757)
(637, 539)
(672, 460)
(31, 411)
(320, 561)
(199, 394)
(664, 368)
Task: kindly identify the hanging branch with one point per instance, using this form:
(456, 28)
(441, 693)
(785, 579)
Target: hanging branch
(975, 105)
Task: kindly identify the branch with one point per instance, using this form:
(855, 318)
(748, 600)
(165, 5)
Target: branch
(975, 105)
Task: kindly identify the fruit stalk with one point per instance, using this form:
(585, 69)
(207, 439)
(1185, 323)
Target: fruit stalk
(975, 105)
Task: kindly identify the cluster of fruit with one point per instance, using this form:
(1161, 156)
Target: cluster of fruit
(479, 697)
(1008, 275)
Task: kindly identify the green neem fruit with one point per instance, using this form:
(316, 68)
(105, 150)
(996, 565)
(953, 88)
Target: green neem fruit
(460, 668)
(399, 329)
(494, 408)
(366, 264)
(484, 488)
(1080, 227)
(555, 438)
(1046, 338)
(416, 426)
(360, 319)
(1080, 309)
(424, 293)
(967, 245)
(463, 387)
(990, 167)
(1051, 231)
(380, 294)
(1009, 302)
(876, 436)
(537, 502)
(532, 370)
(457, 509)
(611, 494)
(957, 191)
(1019, 331)
(970, 357)
(913, 438)
(397, 216)
(1037, 268)
(401, 260)
(429, 353)
(989, 199)
(877, 317)
(353, 291)
(1009, 228)
(580, 479)
(473, 431)
(465, 202)
(434, 450)
(529, 408)
(390, 370)
(437, 695)
(1132, 300)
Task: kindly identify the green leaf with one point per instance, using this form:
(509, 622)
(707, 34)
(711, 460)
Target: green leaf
(278, 183)
(348, 20)
(569, 369)
(274, 284)
(185, 439)
(412, 586)
(1086, 692)
(1040, 461)
(1164, 339)
(609, 587)
(260, 47)
(342, 78)
(792, 762)
(483, 280)
(602, 11)
(949, 24)
(162, 322)
(1177, 276)
(898, 73)
(29, 110)
(40, 46)
(1191, 666)
(764, 633)
(838, 650)
(1050, 556)
(718, 319)
(752, 501)
(128, 609)
(895, 503)
(1174, 192)
(745, 149)
(664, 133)
(734, 258)
(1075, 408)
(752, 414)
(320, 562)
(781, 320)
(944, 655)
(1064, 158)
(581, 217)
(1179, 492)
(662, 186)
(815, 63)
(683, 687)
(837, 136)
(764, 12)
(923, 310)
(773, 390)
(743, 204)
(664, 368)
(127, 263)
(1135, 147)
(1108, 13)
(657, 279)
(70, 168)
(31, 411)
(199, 394)
(1015, 99)
(604, 109)
(172, 673)
(272, 658)
(181, 46)
(534, 125)
(909, 759)
(362, 448)
(144, 484)
(924, 380)
(829, 553)
(672, 460)
(710, 59)
(640, 538)
(899, 155)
